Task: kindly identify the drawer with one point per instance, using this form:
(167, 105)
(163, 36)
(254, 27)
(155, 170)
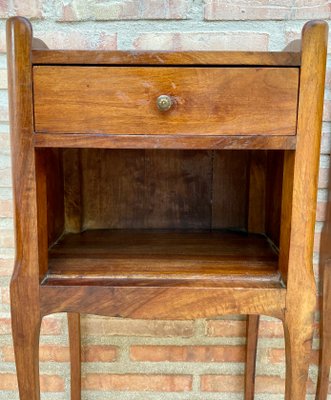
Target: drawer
(205, 100)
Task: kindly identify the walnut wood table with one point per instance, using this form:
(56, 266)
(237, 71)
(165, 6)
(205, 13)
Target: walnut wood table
(164, 185)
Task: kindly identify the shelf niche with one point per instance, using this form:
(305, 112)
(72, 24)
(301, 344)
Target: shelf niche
(162, 217)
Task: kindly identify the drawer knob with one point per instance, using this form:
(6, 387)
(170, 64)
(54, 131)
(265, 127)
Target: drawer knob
(164, 102)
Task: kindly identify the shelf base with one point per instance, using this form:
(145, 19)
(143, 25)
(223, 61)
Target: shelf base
(163, 259)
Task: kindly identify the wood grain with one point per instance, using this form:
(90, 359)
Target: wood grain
(251, 348)
(148, 189)
(72, 190)
(29, 222)
(169, 303)
(206, 101)
(299, 314)
(229, 189)
(257, 192)
(75, 355)
(274, 190)
(92, 102)
(100, 256)
(179, 142)
(194, 58)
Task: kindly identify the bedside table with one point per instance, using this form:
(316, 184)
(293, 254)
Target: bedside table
(168, 185)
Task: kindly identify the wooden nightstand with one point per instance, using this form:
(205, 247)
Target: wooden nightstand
(164, 185)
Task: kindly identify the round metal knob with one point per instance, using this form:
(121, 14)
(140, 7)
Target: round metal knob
(164, 102)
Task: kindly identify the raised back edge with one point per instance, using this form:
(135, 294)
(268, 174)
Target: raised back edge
(163, 58)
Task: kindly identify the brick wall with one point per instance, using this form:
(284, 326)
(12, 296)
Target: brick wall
(178, 360)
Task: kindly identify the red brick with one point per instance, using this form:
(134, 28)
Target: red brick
(51, 326)
(326, 142)
(3, 79)
(317, 241)
(48, 383)
(265, 10)
(222, 383)
(128, 327)
(107, 41)
(179, 9)
(6, 266)
(4, 8)
(6, 208)
(8, 381)
(78, 40)
(28, 8)
(5, 326)
(226, 328)
(277, 356)
(188, 353)
(5, 296)
(202, 41)
(169, 9)
(99, 353)
(127, 10)
(57, 353)
(46, 353)
(5, 181)
(235, 383)
(4, 113)
(275, 384)
(271, 329)
(2, 41)
(51, 383)
(154, 9)
(327, 110)
(328, 79)
(323, 178)
(119, 10)
(138, 382)
(68, 13)
(4, 142)
(321, 211)
(7, 238)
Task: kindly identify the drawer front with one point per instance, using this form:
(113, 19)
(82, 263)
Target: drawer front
(206, 101)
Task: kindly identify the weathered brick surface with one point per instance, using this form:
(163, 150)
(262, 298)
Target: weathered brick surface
(123, 10)
(202, 359)
(126, 327)
(27, 8)
(60, 354)
(266, 10)
(226, 328)
(6, 266)
(188, 353)
(276, 356)
(202, 41)
(48, 383)
(3, 78)
(230, 383)
(135, 382)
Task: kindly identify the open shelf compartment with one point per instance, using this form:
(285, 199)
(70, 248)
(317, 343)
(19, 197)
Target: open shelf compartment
(162, 218)
(117, 257)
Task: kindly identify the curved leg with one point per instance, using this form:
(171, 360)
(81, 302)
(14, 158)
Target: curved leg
(325, 337)
(26, 323)
(251, 348)
(298, 331)
(75, 355)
